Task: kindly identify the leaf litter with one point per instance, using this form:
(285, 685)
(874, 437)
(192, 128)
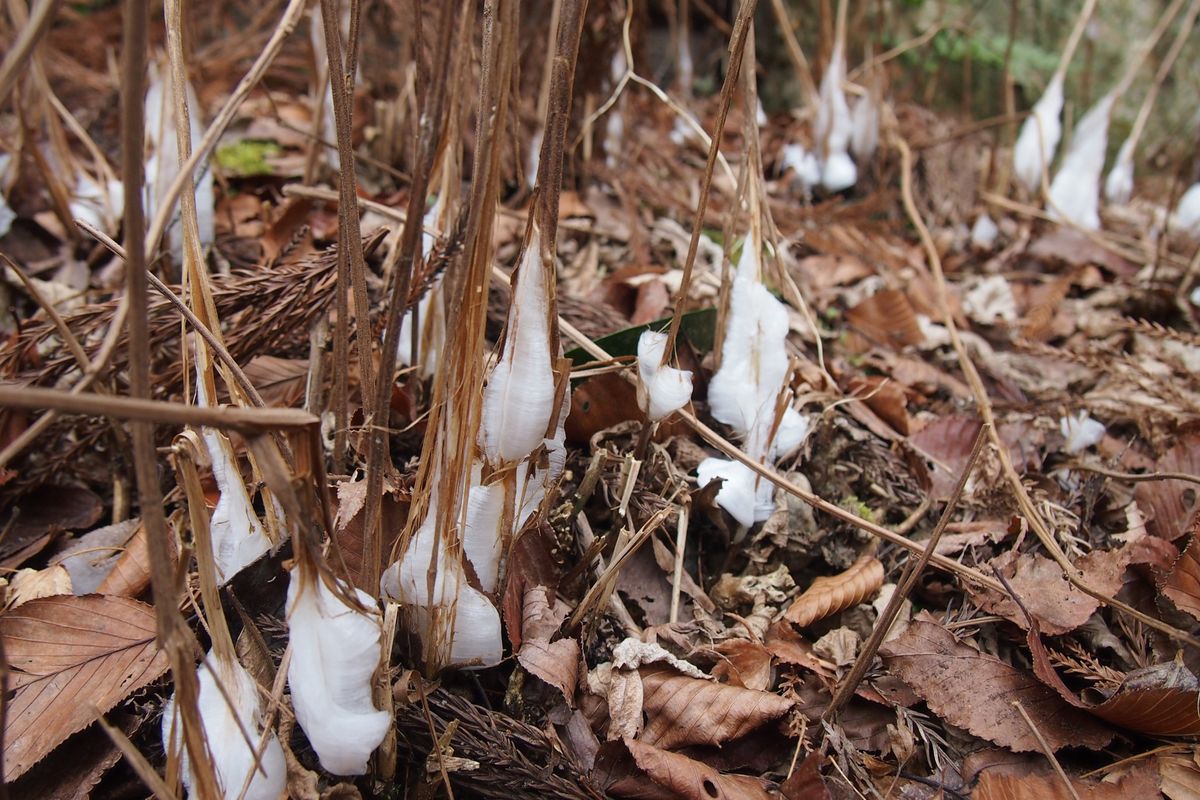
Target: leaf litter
(670, 422)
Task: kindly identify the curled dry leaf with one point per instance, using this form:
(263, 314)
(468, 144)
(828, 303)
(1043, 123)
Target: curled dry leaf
(1046, 593)
(976, 691)
(830, 594)
(1182, 584)
(71, 659)
(1160, 700)
(130, 576)
(743, 663)
(1170, 505)
(1138, 782)
(693, 780)
(685, 711)
(555, 662)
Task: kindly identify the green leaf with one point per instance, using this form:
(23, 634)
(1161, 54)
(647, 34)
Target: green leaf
(698, 327)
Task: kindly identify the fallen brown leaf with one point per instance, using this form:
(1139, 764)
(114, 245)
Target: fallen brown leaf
(71, 659)
(1179, 775)
(1140, 782)
(32, 584)
(743, 663)
(1182, 584)
(830, 594)
(806, 783)
(1046, 593)
(692, 779)
(555, 662)
(1170, 505)
(888, 318)
(976, 691)
(130, 576)
(684, 711)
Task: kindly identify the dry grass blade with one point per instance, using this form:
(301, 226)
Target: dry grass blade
(830, 594)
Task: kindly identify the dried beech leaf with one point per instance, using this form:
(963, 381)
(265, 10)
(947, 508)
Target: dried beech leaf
(1179, 775)
(71, 659)
(743, 663)
(1160, 700)
(888, 318)
(1182, 585)
(557, 663)
(805, 782)
(1047, 594)
(693, 780)
(130, 576)
(830, 594)
(1170, 505)
(279, 381)
(1139, 782)
(976, 691)
(31, 584)
(685, 711)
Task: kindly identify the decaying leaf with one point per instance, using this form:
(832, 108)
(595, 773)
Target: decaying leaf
(1046, 593)
(830, 594)
(685, 711)
(1182, 584)
(887, 317)
(71, 659)
(976, 691)
(1140, 782)
(1170, 505)
(691, 779)
(1179, 775)
(743, 663)
(130, 576)
(555, 662)
(32, 584)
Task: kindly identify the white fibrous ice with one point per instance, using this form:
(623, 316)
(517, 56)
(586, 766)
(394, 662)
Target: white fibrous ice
(99, 205)
(745, 391)
(1118, 186)
(230, 713)
(1039, 137)
(7, 215)
(1187, 213)
(662, 390)
(446, 607)
(1081, 432)
(614, 123)
(803, 165)
(1075, 190)
(519, 396)
(834, 127)
(238, 535)
(430, 318)
(336, 649)
(984, 232)
(864, 138)
(162, 159)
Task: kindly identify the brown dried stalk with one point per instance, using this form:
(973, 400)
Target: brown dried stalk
(31, 34)
(351, 271)
(432, 128)
(912, 572)
(737, 47)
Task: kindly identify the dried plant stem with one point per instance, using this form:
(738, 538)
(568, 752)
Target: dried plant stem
(31, 33)
(808, 86)
(249, 421)
(162, 216)
(1085, 14)
(351, 269)
(1024, 502)
(1164, 69)
(174, 636)
(1138, 477)
(431, 127)
(209, 336)
(149, 776)
(737, 47)
(737, 454)
(904, 587)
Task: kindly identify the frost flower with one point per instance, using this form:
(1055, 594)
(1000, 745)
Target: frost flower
(834, 127)
(1187, 213)
(1118, 186)
(335, 652)
(1039, 137)
(1081, 432)
(661, 389)
(1075, 191)
(227, 725)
